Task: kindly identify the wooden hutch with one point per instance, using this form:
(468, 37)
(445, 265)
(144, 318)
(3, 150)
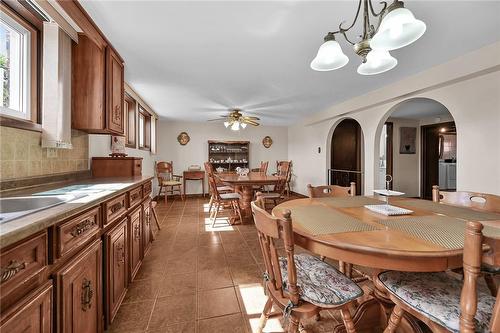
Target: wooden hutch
(229, 154)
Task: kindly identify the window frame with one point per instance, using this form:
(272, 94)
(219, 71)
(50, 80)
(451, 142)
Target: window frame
(130, 110)
(34, 25)
(146, 130)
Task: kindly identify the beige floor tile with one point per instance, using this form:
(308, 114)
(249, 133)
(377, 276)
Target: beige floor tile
(178, 284)
(132, 317)
(225, 324)
(141, 290)
(173, 310)
(214, 278)
(248, 274)
(218, 302)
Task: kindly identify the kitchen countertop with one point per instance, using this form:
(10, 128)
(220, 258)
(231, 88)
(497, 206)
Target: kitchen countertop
(25, 226)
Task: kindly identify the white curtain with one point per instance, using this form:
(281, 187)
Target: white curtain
(56, 98)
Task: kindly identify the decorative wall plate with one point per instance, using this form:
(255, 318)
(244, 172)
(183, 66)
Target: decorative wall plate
(267, 141)
(183, 138)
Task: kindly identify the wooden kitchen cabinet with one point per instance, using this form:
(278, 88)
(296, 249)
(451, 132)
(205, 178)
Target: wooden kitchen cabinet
(116, 252)
(135, 241)
(33, 314)
(79, 298)
(146, 226)
(97, 88)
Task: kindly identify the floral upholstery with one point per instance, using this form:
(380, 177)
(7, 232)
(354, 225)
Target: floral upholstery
(490, 269)
(437, 296)
(320, 283)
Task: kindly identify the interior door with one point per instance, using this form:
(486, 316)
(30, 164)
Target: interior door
(346, 154)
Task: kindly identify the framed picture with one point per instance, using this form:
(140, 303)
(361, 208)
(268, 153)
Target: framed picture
(407, 140)
(118, 145)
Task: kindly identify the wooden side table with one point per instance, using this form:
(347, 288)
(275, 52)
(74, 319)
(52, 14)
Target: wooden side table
(194, 175)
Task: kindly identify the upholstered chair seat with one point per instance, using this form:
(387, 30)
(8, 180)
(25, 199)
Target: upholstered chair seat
(437, 297)
(320, 283)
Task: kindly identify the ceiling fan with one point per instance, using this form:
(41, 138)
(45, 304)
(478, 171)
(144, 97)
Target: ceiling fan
(236, 120)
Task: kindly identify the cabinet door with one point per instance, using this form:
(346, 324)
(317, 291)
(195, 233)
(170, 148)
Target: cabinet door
(115, 91)
(79, 293)
(146, 230)
(88, 85)
(33, 314)
(117, 268)
(135, 243)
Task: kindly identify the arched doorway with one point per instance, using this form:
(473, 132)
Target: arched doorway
(346, 160)
(418, 148)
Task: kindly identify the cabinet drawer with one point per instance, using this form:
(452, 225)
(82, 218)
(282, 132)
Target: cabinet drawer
(32, 314)
(137, 168)
(135, 196)
(146, 188)
(114, 208)
(77, 231)
(21, 267)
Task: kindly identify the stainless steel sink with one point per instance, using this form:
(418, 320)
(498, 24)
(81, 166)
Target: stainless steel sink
(15, 207)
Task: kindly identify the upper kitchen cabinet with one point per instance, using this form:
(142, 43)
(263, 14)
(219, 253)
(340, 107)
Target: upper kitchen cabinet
(97, 88)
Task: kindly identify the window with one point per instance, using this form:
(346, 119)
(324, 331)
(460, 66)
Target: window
(15, 67)
(130, 121)
(144, 129)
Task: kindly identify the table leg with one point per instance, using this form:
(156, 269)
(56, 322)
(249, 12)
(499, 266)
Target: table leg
(246, 193)
(203, 186)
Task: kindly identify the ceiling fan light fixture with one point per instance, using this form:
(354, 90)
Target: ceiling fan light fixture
(377, 61)
(243, 125)
(329, 56)
(398, 28)
(235, 126)
(226, 124)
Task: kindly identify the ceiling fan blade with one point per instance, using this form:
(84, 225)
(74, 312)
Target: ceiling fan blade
(218, 119)
(251, 122)
(251, 118)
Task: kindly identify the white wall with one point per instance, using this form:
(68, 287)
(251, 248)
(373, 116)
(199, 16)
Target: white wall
(196, 151)
(469, 87)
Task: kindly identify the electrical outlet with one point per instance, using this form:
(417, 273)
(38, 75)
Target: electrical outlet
(51, 153)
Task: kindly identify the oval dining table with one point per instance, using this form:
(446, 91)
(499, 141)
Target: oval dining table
(244, 185)
(430, 239)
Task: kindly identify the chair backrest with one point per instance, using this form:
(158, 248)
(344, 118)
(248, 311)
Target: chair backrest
(209, 168)
(263, 166)
(331, 191)
(164, 171)
(474, 257)
(280, 186)
(212, 184)
(283, 167)
(481, 201)
(270, 229)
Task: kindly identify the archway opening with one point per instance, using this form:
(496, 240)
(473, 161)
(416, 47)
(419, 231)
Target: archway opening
(418, 148)
(346, 155)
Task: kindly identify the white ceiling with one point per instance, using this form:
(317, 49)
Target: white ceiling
(420, 108)
(190, 60)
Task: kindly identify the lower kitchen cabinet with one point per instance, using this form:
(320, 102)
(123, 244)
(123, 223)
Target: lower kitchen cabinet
(33, 314)
(79, 297)
(135, 241)
(116, 268)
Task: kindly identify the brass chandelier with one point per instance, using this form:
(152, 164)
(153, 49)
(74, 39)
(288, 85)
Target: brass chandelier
(397, 27)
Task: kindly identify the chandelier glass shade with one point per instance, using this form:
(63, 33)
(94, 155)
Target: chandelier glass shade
(329, 57)
(397, 27)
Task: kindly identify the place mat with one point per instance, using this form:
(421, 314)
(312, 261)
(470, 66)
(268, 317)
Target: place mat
(444, 231)
(348, 202)
(453, 211)
(320, 220)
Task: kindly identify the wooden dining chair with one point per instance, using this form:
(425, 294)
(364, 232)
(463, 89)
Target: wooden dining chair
(331, 191)
(300, 285)
(478, 201)
(222, 199)
(474, 200)
(278, 193)
(443, 302)
(262, 169)
(325, 191)
(209, 169)
(167, 180)
(285, 168)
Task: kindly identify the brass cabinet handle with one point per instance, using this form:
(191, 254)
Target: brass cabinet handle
(116, 207)
(121, 254)
(87, 294)
(11, 269)
(134, 196)
(82, 227)
(137, 231)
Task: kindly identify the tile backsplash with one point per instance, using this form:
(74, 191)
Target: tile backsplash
(21, 154)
